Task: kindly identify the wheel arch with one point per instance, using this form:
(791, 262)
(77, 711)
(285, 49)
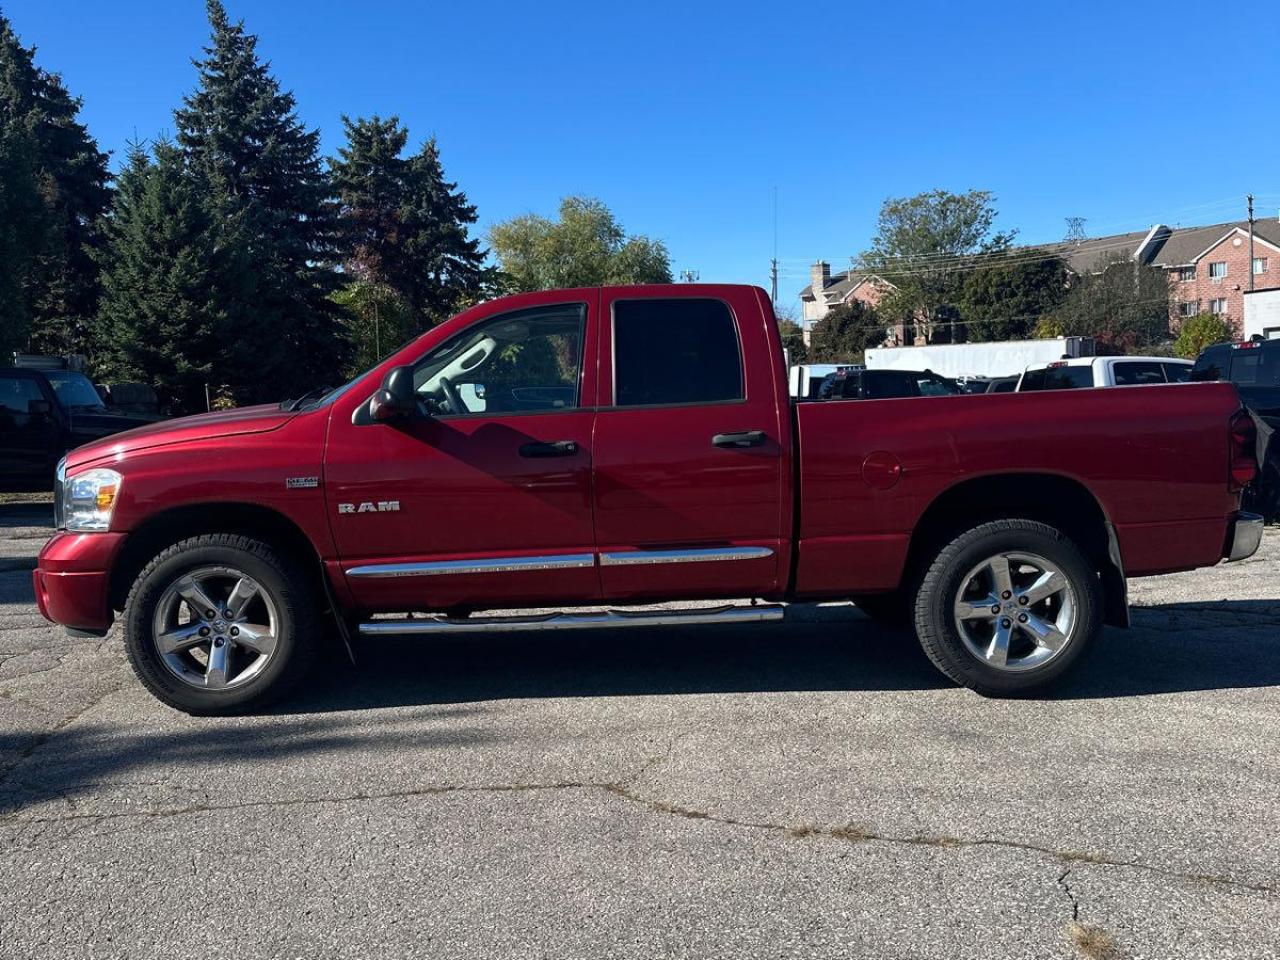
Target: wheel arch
(1062, 501)
(178, 523)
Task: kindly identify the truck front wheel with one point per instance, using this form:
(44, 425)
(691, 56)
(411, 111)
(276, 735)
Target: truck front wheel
(220, 624)
(1008, 606)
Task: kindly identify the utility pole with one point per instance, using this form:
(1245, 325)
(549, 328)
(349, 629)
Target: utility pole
(773, 264)
(690, 276)
(1250, 241)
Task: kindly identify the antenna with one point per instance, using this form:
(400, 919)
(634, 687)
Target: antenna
(1075, 229)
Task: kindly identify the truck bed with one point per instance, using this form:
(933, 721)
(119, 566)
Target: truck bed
(1153, 459)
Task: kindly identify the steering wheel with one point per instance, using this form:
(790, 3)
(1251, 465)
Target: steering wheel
(451, 396)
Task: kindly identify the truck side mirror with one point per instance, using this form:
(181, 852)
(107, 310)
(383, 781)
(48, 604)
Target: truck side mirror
(396, 399)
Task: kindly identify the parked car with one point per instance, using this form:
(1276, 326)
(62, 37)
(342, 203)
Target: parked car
(1003, 385)
(43, 414)
(806, 378)
(885, 385)
(637, 444)
(1254, 367)
(1104, 372)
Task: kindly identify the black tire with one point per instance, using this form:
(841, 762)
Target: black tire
(935, 598)
(890, 609)
(290, 590)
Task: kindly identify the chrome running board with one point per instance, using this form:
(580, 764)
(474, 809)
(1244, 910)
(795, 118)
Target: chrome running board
(572, 621)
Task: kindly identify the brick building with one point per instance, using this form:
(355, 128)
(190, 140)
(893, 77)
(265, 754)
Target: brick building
(1208, 267)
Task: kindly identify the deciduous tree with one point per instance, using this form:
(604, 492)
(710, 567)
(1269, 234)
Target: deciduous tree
(924, 245)
(845, 334)
(1006, 297)
(1200, 331)
(586, 246)
(1125, 306)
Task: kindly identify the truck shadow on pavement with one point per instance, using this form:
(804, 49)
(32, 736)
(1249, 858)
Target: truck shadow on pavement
(1170, 648)
(444, 689)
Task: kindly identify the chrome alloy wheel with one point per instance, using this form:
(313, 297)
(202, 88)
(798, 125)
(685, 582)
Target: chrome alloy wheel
(1016, 611)
(215, 628)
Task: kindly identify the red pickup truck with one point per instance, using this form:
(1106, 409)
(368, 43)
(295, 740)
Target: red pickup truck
(608, 448)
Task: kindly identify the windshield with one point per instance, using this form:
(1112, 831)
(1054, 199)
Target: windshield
(74, 391)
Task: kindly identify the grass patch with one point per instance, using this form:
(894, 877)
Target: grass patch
(1093, 942)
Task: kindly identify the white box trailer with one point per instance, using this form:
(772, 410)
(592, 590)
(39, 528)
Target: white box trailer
(1262, 314)
(1006, 358)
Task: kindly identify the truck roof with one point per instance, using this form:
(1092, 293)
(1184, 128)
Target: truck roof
(1090, 361)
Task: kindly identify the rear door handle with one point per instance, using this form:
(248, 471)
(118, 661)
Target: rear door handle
(554, 448)
(747, 438)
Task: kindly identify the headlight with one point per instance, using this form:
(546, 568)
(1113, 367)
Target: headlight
(87, 500)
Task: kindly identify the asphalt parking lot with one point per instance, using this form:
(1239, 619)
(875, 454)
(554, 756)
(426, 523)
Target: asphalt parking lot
(804, 789)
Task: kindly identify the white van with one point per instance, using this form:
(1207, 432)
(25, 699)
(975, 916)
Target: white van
(1104, 372)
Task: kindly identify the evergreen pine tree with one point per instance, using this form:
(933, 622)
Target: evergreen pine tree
(446, 266)
(42, 139)
(22, 229)
(406, 231)
(269, 195)
(160, 316)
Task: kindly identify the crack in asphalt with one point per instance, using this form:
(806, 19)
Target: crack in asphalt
(1066, 888)
(619, 789)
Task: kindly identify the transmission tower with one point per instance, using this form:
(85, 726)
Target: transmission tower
(1075, 229)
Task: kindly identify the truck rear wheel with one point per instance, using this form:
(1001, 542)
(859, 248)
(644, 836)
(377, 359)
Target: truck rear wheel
(1008, 607)
(220, 624)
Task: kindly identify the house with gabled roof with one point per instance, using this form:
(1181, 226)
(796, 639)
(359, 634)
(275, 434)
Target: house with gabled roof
(827, 290)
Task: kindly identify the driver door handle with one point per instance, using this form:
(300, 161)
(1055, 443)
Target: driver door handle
(554, 448)
(747, 438)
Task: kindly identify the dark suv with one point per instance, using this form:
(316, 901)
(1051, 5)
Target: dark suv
(1254, 367)
(43, 414)
(885, 385)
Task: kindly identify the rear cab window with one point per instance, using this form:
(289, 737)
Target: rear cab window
(675, 351)
(1058, 378)
(1133, 373)
(1255, 366)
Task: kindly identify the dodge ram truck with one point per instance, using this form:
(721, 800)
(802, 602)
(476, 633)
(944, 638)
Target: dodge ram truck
(596, 450)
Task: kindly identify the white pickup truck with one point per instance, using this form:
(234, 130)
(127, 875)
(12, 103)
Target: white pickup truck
(1104, 372)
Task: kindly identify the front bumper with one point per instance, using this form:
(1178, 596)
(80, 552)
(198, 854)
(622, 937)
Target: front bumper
(1244, 536)
(72, 578)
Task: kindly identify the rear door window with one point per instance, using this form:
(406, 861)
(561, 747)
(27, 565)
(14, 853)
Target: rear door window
(1177, 372)
(675, 352)
(1058, 378)
(1132, 373)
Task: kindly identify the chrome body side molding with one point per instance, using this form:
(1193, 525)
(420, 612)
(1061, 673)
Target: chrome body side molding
(572, 621)
(635, 557)
(566, 561)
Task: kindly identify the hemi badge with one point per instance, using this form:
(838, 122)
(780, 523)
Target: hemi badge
(301, 483)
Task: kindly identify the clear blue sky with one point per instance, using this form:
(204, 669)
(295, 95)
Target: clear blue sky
(685, 117)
